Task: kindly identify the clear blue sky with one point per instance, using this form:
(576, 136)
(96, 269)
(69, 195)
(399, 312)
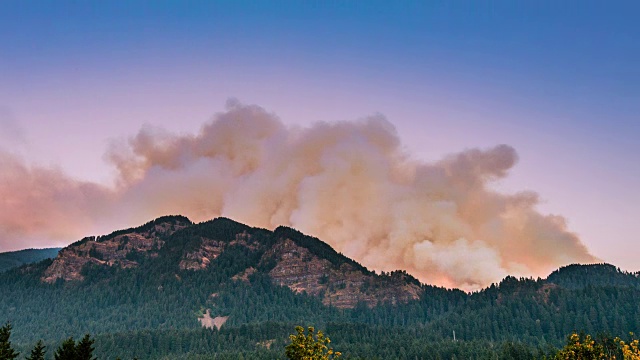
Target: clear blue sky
(558, 80)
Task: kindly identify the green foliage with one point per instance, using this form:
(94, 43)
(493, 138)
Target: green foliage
(84, 348)
(262, 341)
(38, 352)
(580, 347)
(149, 226)
(630, 349)
(310, 346)
(69, 350)
(584, 347)
(602, 275)
(6, 351)
(66, 351)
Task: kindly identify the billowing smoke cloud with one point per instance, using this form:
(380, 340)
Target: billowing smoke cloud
(348, 183)
(38, 204)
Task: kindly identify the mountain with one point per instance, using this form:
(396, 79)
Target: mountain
(174, 289)
(9, 260)
(286, 256)
(597, 275)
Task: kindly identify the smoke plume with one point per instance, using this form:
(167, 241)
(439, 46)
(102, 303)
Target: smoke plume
(348, 183)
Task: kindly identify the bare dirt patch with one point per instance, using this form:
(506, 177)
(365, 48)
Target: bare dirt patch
(208, 322)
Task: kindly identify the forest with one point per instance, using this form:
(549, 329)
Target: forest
(12, 259)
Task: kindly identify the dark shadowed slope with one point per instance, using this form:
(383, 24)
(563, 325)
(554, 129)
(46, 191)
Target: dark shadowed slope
(12, 259)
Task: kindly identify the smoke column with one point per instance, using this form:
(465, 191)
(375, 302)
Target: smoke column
(348, 183)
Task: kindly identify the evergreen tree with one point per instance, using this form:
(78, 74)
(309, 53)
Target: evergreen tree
(38, 351)
(6, 351)
(84, 349)
(66, 351)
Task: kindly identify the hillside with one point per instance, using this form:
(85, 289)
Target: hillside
(597, 275)
(146, 292)
(12, 259)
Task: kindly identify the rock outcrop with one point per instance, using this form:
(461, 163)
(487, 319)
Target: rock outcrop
(212, 248)
(288, 257)
(116, 249)
(343, 286)
(200, 259)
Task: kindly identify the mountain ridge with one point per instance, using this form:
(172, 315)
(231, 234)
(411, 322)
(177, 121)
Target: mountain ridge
(289, 257)
(168, 224)
(166, 276)
(12, 259)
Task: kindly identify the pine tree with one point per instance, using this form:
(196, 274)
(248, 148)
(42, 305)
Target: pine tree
(38, 351)
(84, 349)
(66, 351)
(6, 351)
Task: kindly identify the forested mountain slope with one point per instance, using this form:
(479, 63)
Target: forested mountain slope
(143, 292)
(11, 259)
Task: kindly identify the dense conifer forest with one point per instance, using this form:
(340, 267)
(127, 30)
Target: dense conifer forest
(12, 259)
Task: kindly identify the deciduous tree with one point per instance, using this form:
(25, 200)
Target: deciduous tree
(309, 347)
(580, 347)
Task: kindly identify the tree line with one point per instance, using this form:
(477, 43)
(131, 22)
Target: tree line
(68, 350)
(312, 345)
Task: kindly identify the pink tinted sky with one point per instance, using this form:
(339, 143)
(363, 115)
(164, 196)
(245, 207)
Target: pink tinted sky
(69, 89)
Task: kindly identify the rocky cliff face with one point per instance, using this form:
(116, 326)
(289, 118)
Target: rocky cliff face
(343, 286)
(289, 258)
(200, 259)
(210, 249)
(113, 249)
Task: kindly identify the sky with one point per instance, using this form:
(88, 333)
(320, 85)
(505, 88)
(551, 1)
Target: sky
(556, 81)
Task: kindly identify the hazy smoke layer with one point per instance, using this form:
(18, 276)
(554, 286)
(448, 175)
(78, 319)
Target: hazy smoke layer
(39, 203)
(348, 183)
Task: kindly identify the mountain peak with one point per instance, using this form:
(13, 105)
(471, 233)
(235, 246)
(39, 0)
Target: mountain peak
(286, 256)
(583, 275)
(317, 247)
